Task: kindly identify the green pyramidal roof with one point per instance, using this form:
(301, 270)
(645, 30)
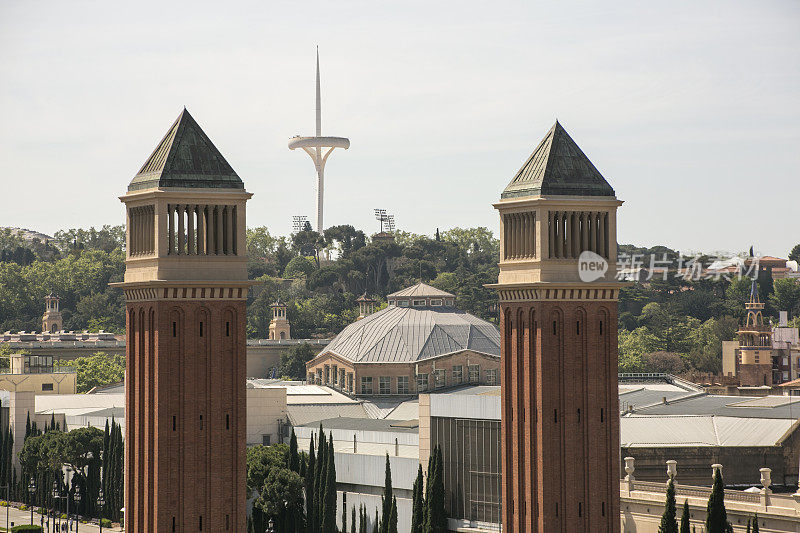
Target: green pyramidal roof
(186, 157)
(557, 166)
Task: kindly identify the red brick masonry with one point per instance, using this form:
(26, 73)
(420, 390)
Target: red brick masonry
(185, 416)
(560, 417)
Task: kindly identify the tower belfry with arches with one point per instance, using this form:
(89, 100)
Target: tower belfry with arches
(279, 327)
(559, 398)
(185, 287)
(754, 360)
(52, 321)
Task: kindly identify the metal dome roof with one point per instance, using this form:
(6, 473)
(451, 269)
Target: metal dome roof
(410, 334)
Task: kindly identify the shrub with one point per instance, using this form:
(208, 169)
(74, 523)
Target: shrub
(23, 507)
(27, 528)
(105, 522)
(3, 503)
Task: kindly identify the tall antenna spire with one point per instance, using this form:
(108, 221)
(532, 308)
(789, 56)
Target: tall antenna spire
(319, 148)
(319, 101)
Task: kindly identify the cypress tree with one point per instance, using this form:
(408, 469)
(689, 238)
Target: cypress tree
(748, 525)
(417, 503)
(362, 519)
(294, 455)
(319, 480)
(685, 517)
(386, 499)
(717, 518)
(392, 522)
(310, 487)
(755, 523)
(52, 422)
(669, 523)
(28, 426)
(329, 502)
(435, 516)
(376, 524)
(352, 521)
(344, 518)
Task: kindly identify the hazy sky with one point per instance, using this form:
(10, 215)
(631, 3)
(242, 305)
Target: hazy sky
(691, 110)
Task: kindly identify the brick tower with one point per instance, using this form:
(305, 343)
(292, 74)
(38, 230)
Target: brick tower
(185, 287)
(560, 413)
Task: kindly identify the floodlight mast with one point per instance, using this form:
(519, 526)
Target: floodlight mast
(314, 147)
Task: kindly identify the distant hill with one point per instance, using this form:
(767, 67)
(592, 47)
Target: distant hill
(29, 235)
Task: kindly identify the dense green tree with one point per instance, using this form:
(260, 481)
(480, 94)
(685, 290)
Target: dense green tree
(418, 503)
(685, 517)
(717, 517)
(786, 296)
(794, 255)
(294, 455)
(293, 361)
(435, 515)
(310, 487)
(353, 525)
(755, 524)
(392, 522)
(386, 499)
(669, 522)
(98, 370)
(329, 500)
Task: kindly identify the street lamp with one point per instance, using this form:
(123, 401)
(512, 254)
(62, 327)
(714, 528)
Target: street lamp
(31, 491)
(56, 497)
(77, 498)
(100, 503)
(271, 526)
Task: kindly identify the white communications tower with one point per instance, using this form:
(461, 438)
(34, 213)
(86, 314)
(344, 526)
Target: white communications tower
(314, 147)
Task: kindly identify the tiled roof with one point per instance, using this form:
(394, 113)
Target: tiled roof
(407, 335)
(421, 290)
(186, 157)
(558, 166)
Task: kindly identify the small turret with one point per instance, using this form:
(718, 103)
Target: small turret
(279, 328)
(366, 306)
(52, 321)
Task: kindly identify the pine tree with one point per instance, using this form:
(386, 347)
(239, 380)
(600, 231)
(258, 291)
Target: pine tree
(362, 519)
(685, 517)
(392, 522)
(352, 521)
(294, 455)
(310, 487)
(376, 524)
(755, 523)
(418, 503)
(329, 501)
(669, 524)
(717, 518)
(386, 499)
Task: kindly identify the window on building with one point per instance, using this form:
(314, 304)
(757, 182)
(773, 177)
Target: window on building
(419, 303)
(402, 303)
(350, 381)
(327, 374)
(491, 376)
(422, 382)
(438, 378)
(311, 378)
(366, 384)
(437, 302)
(458, 374)
(335, 374)
(474, 373)
(402, 385)
(756, 359)
(266, 440)
(47, 386)
(341, 378)
(385, 385)
(319, 376)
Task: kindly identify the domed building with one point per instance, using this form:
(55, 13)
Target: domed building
(420, 342)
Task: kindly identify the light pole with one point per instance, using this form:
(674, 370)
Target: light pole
(77, 498)
(67, 483)
(31, 491)
(57, 496)
(100, 503)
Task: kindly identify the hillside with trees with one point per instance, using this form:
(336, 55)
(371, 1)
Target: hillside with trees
(671, 325)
